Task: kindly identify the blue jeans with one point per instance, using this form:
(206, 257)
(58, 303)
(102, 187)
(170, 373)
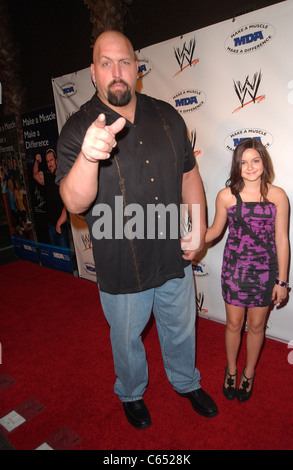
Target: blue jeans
(58, 239)
(174, 308)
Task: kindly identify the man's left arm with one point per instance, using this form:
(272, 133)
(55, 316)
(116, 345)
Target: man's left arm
(193, 197)
(62, 219)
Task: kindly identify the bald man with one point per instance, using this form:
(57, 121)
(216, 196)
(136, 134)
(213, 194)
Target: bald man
(126, 153)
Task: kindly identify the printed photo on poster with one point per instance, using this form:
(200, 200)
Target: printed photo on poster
(14, 191)
(51, 218)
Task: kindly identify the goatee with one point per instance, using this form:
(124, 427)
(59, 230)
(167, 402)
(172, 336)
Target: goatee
(119, 97)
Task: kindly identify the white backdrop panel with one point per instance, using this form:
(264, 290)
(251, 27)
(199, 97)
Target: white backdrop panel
(199, 73)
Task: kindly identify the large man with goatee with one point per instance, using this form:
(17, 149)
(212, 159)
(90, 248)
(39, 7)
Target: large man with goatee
(129, 147)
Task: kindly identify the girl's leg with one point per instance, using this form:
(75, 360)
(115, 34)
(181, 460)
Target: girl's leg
(235, 318)
(256, 320)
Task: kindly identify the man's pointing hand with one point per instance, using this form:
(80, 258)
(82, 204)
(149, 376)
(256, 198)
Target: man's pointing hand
(100, 139)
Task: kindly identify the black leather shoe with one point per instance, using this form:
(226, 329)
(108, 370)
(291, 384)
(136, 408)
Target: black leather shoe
(137, 414)
(202, 403)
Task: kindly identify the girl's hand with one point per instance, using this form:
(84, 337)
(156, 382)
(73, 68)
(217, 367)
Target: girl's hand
(279, 294)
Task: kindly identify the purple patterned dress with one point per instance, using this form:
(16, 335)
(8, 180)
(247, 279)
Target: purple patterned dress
(250, 265)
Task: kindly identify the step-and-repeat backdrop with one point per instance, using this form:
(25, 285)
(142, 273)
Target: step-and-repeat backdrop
(229, 81)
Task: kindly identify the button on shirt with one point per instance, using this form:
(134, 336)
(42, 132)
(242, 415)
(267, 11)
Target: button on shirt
(135, 219)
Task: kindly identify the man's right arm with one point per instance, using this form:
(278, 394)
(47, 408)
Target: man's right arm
(37, 174)
(78, 189)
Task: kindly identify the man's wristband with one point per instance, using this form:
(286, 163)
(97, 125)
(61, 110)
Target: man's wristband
(281, 283)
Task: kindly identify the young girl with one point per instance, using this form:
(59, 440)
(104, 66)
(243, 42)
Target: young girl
(255, 260)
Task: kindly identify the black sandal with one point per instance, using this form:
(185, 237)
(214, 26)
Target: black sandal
(230, 391)
(245, 387)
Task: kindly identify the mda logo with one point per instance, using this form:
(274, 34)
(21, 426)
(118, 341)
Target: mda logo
(68, 90)
(145, 67)
(186, 101)
(233, 139)
(249, 38)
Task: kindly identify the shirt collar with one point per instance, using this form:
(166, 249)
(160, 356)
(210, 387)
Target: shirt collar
(111, 115)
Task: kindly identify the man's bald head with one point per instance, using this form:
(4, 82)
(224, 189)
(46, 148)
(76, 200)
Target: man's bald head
(111, 37)
(114, 69)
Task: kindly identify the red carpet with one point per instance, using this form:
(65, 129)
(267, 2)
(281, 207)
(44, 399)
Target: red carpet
(56, 374)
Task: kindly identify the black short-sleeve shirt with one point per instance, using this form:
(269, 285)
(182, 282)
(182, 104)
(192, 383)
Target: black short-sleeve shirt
(54, 202)
(133, 219)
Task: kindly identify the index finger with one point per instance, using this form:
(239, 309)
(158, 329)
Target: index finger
(100, 122)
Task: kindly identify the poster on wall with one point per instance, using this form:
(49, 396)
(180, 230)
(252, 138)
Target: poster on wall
(51, 219)
(14, 192)
(70, 92)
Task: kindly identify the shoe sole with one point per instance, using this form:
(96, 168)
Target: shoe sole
(138, 426)
(210, 415)
(243, 399)
(229, 397)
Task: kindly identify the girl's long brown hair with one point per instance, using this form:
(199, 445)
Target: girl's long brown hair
(235, 182)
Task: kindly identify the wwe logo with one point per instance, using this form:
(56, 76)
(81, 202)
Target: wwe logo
(185, 54)
(199, 300)
(193, 142)
(87, 242)
(193, 139)
(248, 88)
